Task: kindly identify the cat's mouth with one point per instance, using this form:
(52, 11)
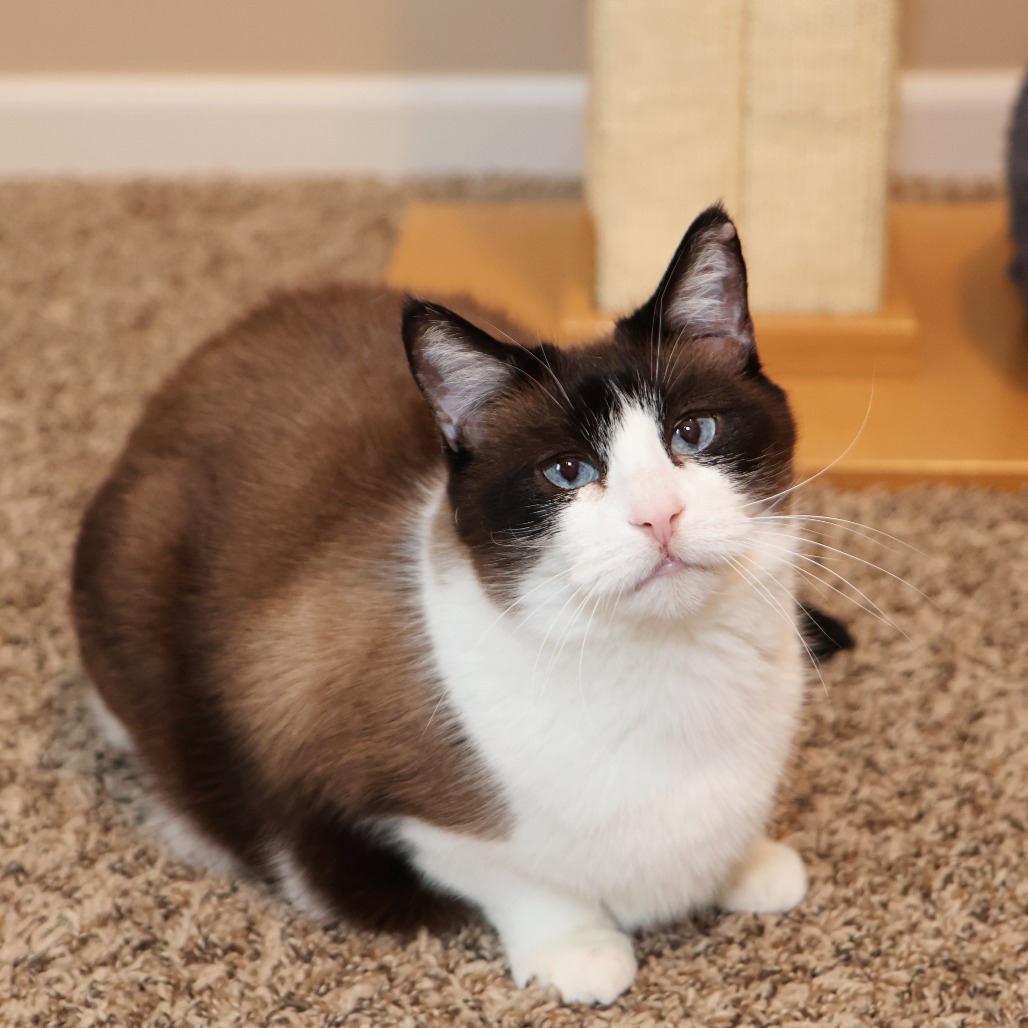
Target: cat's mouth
(670, 566)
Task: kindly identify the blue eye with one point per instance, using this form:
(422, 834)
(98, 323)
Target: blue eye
(693, 435)
(570, 473)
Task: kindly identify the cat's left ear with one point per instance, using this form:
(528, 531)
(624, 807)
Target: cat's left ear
(703, 292)
(459, 368)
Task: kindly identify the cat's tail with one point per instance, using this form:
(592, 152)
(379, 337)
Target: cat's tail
(824, 635)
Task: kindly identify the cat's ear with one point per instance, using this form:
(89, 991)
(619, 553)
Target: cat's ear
(457, 366)
(703, 292)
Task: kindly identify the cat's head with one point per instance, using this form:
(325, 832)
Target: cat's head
(629, 468)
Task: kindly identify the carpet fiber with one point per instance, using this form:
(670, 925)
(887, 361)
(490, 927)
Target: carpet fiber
(907, 792)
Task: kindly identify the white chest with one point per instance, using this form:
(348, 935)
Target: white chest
(635, 770)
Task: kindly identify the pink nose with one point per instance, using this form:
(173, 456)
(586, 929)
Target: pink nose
(660, 523)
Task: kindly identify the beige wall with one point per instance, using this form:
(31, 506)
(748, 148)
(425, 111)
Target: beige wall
(290, 36)
(964, 33)
(383, 36)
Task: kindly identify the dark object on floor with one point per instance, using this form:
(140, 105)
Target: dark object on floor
(824, 635)
(1017, 174)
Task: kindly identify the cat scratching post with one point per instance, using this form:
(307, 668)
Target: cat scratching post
(818, 99)
(664, 132)
(779, 108)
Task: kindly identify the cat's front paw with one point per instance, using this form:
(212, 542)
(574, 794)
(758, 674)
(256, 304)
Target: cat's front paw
(595, 965)
(771, 879)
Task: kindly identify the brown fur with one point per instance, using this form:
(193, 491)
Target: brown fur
(192, 574)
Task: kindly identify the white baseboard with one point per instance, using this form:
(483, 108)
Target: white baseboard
(954, 125)
(391, 126)
(950, 125)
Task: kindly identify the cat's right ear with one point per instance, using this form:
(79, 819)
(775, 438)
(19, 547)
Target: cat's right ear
(458, 367)
(703, 294)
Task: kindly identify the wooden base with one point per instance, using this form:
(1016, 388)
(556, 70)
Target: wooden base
(941, 373)
(536, 261)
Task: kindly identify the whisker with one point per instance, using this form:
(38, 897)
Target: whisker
(614, 606)
(816, 535)
(842, 523)
(884, 571)
(581, 659)
(546, 636)
(431, 717)
(825, 470)
(749, 576)
(521, 599)
(659, 313)
(562, 642)
(675, 369)
(874, 609)
(557, 403)
(553, 374)
(543, 361)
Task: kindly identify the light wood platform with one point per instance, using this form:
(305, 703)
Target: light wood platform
(941, 372)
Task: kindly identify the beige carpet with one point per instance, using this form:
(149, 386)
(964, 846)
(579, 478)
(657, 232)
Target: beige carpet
(908, 794)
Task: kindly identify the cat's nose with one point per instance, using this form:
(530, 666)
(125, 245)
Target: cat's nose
(660, 522)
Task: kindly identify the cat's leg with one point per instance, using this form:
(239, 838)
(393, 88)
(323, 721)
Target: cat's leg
(295, 886)
(551, 936)
(556, 939)
(769, 879)
(176, 831)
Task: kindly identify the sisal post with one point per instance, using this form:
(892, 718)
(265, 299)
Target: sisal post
(818, 99)
(781, 108)
(663, 132)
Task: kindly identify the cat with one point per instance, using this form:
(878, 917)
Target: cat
(498, 627)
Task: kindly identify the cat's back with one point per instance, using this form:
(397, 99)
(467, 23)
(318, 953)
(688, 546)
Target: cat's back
(308, 395)
(299, 422)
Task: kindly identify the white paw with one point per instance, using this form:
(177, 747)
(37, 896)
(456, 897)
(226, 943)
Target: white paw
(186, 841)
(771, 879)
(591, 966)
(114, 733)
